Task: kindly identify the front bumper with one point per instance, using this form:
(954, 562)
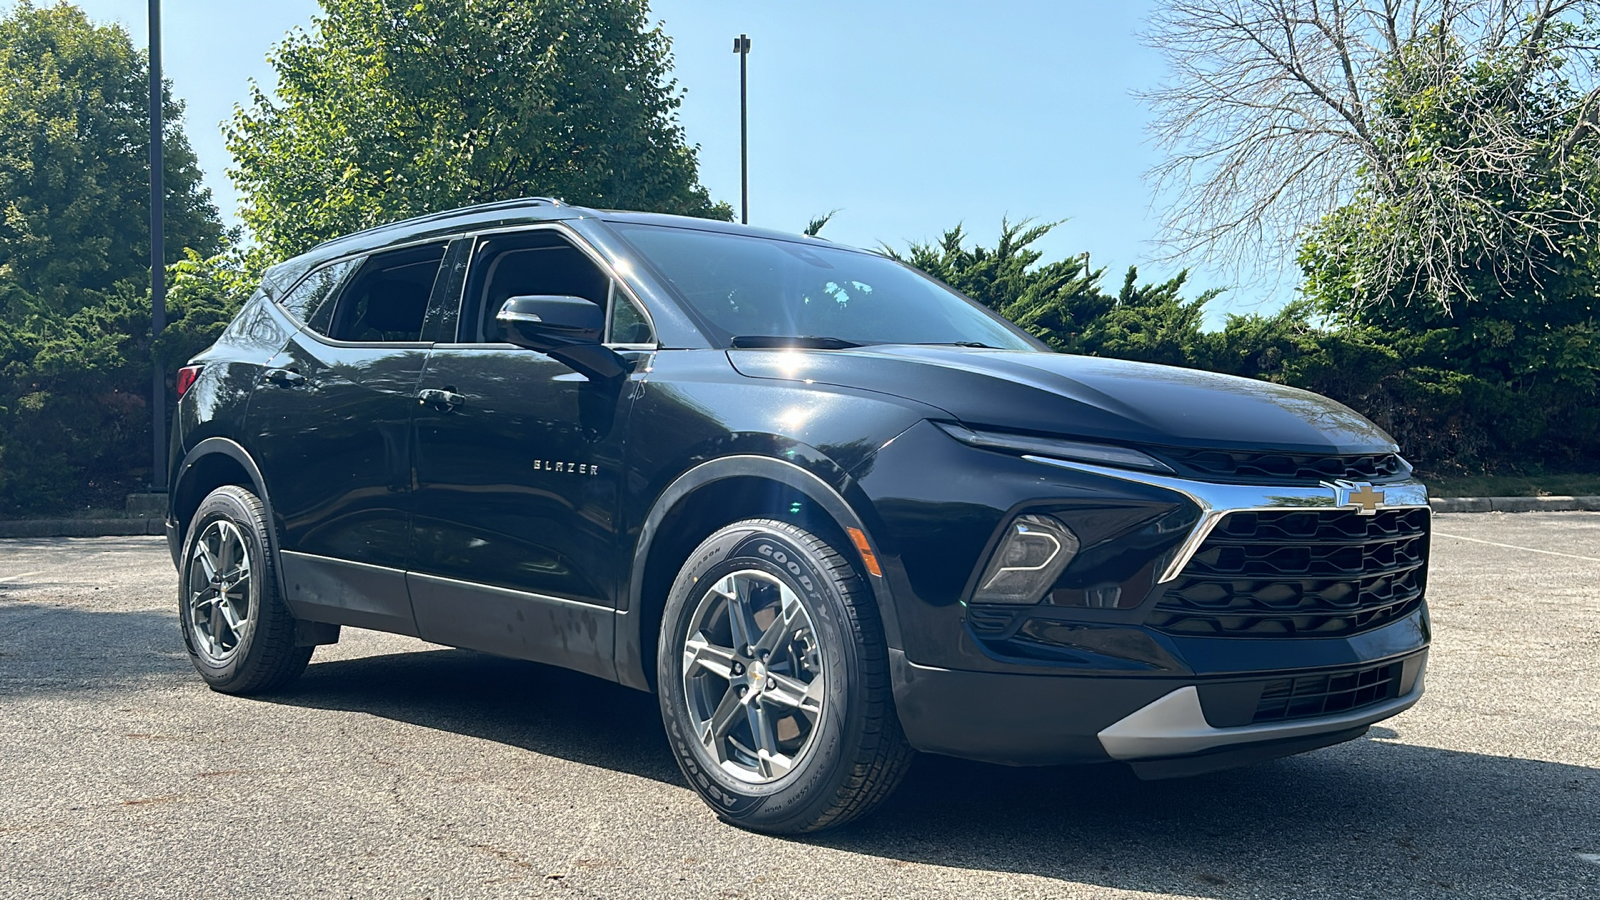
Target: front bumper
(1159, 725)
(1164, 644)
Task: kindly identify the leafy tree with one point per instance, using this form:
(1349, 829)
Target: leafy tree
(1516, 312)
(390, 108)
(74, 164)
(1505, 356)
(73, 405)
(75, 350)
(74, 388)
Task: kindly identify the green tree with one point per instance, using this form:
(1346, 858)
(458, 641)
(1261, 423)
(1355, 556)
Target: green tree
(390, 108)
(74, 164)
(74, 388)
(1062, 302)
(75, 350)
(1154, 323)
(1500, 337)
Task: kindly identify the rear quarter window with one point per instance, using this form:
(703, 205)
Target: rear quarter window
(313, 291)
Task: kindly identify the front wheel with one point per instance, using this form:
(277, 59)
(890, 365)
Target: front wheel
(239, 632)
(774, 682)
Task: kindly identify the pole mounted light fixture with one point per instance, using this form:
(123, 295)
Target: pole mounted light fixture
(158, 264)
(741, 46)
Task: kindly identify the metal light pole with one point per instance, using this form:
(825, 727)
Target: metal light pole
(741, 46)
(158, 264)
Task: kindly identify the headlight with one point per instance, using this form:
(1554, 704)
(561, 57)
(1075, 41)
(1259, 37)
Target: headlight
(1059, 448)
(1026, 563)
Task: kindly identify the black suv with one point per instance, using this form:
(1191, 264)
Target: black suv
(828, 509)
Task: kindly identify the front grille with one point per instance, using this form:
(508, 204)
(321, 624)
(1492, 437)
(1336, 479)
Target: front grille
(1324, 695)
(1322, 573)
(1249, 466)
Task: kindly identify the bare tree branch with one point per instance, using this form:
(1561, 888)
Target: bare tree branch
(1275, 113)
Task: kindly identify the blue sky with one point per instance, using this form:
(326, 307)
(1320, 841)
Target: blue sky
(907, 116)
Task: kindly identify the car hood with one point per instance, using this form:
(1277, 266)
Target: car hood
(1084, 396)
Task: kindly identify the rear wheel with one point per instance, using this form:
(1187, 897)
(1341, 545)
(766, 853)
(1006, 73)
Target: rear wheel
(240, 635)
(774, 681)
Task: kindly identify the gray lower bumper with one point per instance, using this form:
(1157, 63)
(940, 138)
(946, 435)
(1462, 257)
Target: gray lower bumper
(1175, 725)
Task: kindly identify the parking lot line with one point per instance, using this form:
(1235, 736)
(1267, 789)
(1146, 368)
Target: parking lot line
(7, 578)
(1461, 537)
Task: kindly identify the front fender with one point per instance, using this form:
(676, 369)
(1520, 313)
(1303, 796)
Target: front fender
(831, 498)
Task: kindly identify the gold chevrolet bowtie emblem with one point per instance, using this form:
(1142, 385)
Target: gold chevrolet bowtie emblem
(1361, 496)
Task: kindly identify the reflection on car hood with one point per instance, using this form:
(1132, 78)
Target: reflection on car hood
(1084, 396)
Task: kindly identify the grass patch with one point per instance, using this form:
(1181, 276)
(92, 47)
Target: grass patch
(1570, 485)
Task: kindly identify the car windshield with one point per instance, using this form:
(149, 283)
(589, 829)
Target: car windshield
(752, 288)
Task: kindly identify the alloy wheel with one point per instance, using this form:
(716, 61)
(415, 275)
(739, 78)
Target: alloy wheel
(753, 676)
(218, 591)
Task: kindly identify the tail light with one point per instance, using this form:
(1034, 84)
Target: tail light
(186, 379)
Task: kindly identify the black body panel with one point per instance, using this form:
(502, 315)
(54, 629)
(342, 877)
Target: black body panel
(341, 592)
(335, 448)
(517, 486)
(1086, 396)
(513, 623)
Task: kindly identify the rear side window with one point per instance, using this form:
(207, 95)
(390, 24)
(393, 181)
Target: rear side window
(386, 301)
(311, 294)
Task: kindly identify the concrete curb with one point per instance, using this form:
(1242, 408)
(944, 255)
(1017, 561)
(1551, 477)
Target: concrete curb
(1514, 504)
(38, 528)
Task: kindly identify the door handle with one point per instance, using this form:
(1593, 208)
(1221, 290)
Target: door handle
(284, 378)
(443, 401)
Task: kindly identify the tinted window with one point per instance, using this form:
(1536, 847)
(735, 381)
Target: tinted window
(752, 286)
(628, 325)
(309, 295)
(387, 300)
(534, 263)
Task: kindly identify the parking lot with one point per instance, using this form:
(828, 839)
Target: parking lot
(399, 769)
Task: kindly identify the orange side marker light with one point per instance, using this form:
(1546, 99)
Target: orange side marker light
(860, 540)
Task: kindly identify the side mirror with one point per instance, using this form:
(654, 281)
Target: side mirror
(545, 323)
(566, 328)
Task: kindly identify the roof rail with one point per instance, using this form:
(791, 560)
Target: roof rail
(450, 214)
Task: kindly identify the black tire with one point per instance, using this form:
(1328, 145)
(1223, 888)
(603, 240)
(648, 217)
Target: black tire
(258, 653)
(851, 753)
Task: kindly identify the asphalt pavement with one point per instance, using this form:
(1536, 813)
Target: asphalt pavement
(398, 769)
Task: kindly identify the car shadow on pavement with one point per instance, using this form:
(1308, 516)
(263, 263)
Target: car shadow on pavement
(1373, 817)
(522, 704)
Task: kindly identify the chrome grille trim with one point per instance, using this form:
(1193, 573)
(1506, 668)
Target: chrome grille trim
(1217, 501)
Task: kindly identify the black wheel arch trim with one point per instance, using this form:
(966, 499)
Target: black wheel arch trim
(232, 449)
(630, 639)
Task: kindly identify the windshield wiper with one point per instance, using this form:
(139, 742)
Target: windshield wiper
(978, 344)
(804, 342)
